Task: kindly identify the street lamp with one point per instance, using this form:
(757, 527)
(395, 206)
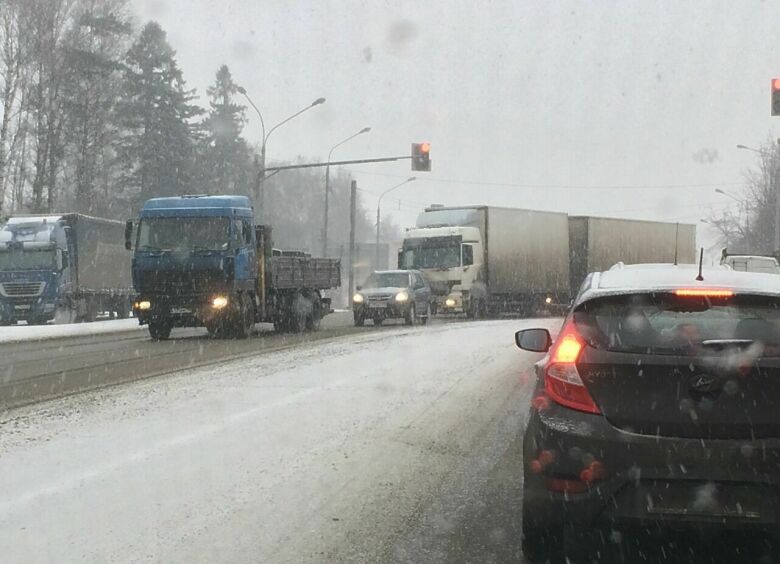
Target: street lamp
(378, 218)
(259, 187)
(327, 188)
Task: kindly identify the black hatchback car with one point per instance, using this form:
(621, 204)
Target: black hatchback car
(657, 412)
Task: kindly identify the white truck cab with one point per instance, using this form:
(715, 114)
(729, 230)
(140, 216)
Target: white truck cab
(452, 259)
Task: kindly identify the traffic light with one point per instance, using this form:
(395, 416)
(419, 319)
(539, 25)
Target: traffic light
(776, 96)
(421, 156)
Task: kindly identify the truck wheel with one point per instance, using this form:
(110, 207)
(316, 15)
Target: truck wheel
(360, 319)
(64, 315)
(424, 319)
(411, 316)
(245, 318)
(315, 317)
(92, 310)
(123, 307)
(299, 311)
(160, 329)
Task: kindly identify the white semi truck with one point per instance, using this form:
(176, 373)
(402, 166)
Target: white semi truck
(483, 260)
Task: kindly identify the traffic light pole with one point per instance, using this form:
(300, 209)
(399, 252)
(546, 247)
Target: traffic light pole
(336, 163)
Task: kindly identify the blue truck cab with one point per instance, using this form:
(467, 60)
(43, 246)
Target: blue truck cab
(195, 264)
(33, 269)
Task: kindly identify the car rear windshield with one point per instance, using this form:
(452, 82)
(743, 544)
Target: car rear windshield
(664, 323)
(387, 280)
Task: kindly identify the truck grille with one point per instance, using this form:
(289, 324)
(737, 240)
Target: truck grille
(177, 282)
(22, 289)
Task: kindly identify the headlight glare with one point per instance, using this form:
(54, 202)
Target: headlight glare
(358, 298)
(449, 302)
(401, 297)
(219, 302)
(144, 305)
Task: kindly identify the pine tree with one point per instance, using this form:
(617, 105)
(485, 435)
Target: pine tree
(96, 45)
(157, 147)
(228, 165)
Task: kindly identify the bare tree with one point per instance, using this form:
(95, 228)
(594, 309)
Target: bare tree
(13, 52)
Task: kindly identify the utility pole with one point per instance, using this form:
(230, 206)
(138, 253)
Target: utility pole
(352, 213)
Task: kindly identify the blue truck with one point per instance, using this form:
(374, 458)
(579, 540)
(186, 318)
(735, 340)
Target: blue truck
(200, 261)
(67, 267)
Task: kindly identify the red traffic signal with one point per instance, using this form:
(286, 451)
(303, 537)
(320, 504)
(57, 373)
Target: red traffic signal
(421, 157)
(776, 96)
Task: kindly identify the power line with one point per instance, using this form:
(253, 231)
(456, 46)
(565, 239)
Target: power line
(564, 186)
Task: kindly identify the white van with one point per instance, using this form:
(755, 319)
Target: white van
(751, 263)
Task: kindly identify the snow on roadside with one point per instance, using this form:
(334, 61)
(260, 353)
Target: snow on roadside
(16, 333)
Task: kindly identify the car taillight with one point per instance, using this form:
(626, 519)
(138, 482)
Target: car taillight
(562, 381)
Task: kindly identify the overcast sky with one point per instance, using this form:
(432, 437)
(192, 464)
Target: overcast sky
(614, 108)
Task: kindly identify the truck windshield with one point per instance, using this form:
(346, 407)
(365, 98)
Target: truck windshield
(28, 259)
(432, 255)
(183, 233)
(387, 280)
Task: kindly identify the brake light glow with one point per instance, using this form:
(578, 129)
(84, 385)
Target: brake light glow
(568, 349)
(703, 293)
(562, 381)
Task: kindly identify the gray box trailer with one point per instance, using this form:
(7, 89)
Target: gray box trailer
(597, 243)
(102, 264)
(526, 252)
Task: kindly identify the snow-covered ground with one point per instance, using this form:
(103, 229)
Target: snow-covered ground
(37, 332)
(317, 453)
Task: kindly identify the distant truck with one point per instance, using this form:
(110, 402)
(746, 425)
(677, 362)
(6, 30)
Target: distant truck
(483, 260)
(597, 243)
(747, 262)
(200, 261)
(66, 267)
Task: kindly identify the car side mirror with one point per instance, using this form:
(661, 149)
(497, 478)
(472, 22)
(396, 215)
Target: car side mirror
(534, 340)
(128, 234)
(358, 288)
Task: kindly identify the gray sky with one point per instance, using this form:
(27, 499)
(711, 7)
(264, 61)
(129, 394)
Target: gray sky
(524, 103)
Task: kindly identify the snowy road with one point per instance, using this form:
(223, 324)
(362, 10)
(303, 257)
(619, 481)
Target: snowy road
(399, 445)
(66, 358)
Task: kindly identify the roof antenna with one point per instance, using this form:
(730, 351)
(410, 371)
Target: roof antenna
(676, 241)
(700, 278)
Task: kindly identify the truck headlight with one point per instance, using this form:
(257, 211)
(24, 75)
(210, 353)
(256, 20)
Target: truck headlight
(219, 302)
(401, 297)
(449, 302)
(548, 300)
(144, 305)
(358, 298)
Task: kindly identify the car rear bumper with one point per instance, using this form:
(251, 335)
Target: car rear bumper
(579, 470)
